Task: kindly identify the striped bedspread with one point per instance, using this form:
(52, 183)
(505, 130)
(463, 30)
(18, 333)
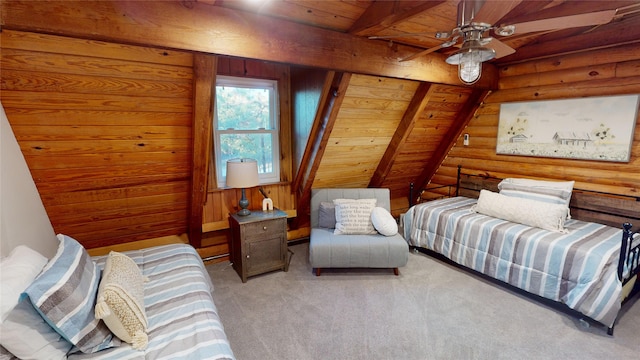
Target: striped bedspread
(183, 320)
(577, 268)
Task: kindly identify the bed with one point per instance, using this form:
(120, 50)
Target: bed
(579, 264)
(181, 317)
(152, 303)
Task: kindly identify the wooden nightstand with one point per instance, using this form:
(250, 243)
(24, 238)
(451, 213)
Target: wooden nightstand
(258, 242)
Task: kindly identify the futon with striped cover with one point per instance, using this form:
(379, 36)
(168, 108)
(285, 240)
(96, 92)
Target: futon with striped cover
(183, 322)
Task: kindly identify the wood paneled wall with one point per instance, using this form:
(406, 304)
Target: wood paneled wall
(106, 131)
(606, 72)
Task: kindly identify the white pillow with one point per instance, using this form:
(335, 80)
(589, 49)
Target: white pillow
(23, 331)
(26, 335)
(120, 302)
(383, 221)
(524, 211)
(17, 271)
(354, 216)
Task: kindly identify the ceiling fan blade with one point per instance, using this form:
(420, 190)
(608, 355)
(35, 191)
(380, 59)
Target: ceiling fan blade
(565, 22)
(500, 48)
(423, 52)
(445, 44)
(494, 10)
(437, 35)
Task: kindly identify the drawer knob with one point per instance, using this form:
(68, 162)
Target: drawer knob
(264, 228)
(247, 256)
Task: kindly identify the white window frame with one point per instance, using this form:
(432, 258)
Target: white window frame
(274, 131)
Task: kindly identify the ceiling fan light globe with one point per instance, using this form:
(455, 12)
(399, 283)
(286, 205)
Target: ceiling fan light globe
(469, 60)
(469, 72)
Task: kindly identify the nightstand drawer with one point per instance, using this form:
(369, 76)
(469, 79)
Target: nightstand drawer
(264, 229)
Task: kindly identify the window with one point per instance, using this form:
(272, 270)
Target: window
(245, 125)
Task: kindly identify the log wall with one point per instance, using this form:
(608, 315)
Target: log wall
(599, 73)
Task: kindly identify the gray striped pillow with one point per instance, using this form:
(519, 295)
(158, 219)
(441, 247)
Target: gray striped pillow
(553, 192)
(65, 296)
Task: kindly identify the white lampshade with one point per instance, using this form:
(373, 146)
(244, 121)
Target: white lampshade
(242, 173)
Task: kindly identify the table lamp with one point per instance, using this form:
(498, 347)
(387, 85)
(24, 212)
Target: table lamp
(242, 174)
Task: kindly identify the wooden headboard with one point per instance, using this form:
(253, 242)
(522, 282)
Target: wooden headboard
(586, 205)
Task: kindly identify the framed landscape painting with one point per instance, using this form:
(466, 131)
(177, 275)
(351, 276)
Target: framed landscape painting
(596, 128)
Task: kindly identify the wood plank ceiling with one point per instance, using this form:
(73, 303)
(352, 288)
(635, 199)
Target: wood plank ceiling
(387, 118)
(386, 128)
(403, 19)
(363, 19)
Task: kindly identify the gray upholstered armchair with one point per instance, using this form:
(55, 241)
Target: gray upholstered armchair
(328, 250)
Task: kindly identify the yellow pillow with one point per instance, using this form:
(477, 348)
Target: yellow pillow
(120, 302)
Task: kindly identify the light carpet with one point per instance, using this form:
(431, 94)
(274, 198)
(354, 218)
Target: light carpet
(431, 311)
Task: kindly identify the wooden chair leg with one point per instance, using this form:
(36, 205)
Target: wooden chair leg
(318, 271)
(396, 271)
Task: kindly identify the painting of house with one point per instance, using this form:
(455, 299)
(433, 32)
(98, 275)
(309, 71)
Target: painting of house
(595, 128)
(580, 138)
(518, 138)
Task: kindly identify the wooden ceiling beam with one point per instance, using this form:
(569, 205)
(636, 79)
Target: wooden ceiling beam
(465, 115)
(204, 68)
(200, 27)
(381, 15)
(317, 128)
(416, 107)
(625, 31)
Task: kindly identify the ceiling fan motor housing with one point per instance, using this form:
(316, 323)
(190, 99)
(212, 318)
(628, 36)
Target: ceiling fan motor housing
(470, 29)
(467, 11)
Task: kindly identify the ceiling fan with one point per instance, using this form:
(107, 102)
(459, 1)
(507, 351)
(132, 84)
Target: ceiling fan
(475, 26)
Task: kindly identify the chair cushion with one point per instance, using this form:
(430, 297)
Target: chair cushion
(327, 250)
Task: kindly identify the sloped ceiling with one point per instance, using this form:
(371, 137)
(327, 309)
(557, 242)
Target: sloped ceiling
(370, 113)
(402, 19)
(383, 132)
